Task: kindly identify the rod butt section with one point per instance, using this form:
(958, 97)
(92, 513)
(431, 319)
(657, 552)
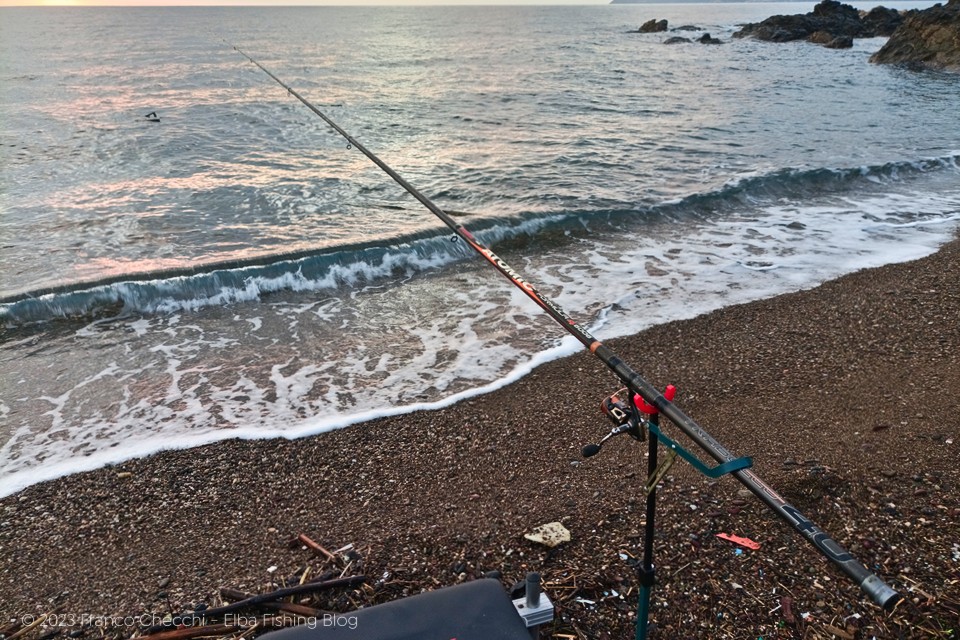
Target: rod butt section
(880, 592)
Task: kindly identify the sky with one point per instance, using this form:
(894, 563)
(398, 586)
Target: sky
(142, 3)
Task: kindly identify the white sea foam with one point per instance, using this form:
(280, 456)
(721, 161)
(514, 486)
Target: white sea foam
(291, 367)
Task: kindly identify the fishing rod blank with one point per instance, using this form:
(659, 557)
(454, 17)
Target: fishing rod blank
(873, 586)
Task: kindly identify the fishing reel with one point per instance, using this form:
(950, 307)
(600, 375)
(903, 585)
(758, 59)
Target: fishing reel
(626, 418)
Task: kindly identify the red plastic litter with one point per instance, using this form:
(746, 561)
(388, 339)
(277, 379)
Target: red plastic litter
(743, 542)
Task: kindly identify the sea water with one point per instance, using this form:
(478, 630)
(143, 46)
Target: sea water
(230, 267)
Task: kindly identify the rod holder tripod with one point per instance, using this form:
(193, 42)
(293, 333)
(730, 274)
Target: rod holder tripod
(629, 418)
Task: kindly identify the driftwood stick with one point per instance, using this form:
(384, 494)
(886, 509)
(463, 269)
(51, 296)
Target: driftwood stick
(289, 607)
(267, 597)
(30, 627)
(234, 595)
(840, 633)
(787, 602)
(316, 547)
(323, 577)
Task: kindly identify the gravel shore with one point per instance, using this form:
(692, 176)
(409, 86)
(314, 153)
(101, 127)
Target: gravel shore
(847, 397)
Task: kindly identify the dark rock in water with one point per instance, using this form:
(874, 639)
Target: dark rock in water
(704, 39)
(687, 27)
(820, 37)
(927, 39)
(778, 29)
(881, 21)
(829, 16)
(840, 42)
(830, 41)
(840, 19)
(653, 26)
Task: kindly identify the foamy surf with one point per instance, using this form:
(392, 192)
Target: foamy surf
(307, 359)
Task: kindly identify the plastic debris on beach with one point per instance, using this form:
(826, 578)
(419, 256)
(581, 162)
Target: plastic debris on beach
(743, 542)
(550, 534)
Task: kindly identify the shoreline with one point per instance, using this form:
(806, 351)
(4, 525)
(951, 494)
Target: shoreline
(845, 396)
(108, 457)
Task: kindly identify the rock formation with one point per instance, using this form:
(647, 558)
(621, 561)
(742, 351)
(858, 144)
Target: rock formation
(928, 39)
(840, 22)
(704, 39)
(881, 21)
(653, 26)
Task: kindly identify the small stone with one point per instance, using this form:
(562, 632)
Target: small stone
(163, 582)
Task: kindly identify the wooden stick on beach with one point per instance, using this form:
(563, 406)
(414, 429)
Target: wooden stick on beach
(267, 597)
(289, 607)
(316, 547)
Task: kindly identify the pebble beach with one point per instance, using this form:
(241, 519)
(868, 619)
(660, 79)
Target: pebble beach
(846, 397)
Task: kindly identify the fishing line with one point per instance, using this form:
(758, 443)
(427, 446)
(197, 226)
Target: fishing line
(872, 585)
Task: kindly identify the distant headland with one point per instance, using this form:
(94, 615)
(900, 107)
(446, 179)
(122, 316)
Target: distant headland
(718, 1)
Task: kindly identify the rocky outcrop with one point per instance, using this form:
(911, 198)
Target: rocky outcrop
(830, 41)
(928, 39)
(840, 21)
(840, 42)
(704, 39)
(653, 26)
(881, 21)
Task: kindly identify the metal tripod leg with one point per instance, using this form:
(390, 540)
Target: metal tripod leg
(647, 572)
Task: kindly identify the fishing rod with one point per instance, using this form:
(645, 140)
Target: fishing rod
(872, 585)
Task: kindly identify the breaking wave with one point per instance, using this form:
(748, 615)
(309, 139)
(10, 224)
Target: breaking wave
(224, 283)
